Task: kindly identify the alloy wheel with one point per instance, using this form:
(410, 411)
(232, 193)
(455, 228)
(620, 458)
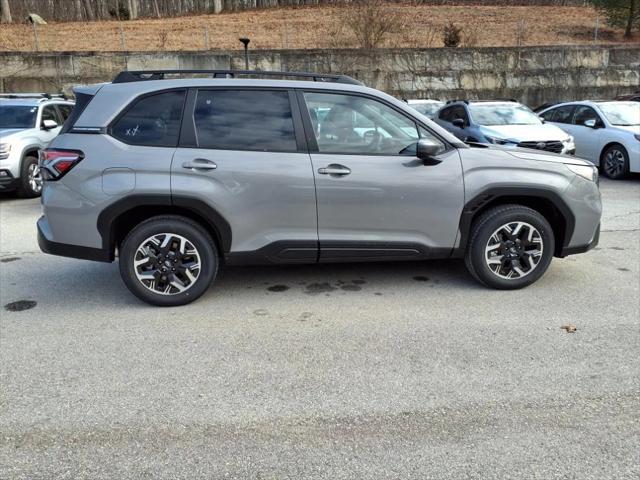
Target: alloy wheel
(514, 250)
(167, 264)
(614, 163)
(34, 177)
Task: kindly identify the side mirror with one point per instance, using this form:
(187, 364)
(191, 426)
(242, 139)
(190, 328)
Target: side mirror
(591, 123)
(542, 119)
(426, 150)
(49, 124)
(458, 122)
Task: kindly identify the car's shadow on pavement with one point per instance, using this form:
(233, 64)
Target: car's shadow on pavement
(56, 282)
(350, 277)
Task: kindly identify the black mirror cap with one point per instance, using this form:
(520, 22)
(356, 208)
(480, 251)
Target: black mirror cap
(426, 150)
(458, 122)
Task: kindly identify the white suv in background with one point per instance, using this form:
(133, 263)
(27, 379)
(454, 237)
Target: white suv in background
(606, 133)
(28, 123)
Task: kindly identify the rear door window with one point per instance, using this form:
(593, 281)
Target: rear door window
(152, 120)
(562, 114)
(49, 113)
(256, 120)
(65, 111)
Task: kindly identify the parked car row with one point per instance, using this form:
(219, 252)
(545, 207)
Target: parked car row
(607, 133)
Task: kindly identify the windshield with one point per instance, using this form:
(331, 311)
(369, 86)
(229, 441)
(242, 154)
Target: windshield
(621, 113)
(427, 109)
(18, 116)
(503, 114)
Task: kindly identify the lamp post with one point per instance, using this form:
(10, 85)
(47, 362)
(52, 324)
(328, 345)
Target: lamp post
(245, 41)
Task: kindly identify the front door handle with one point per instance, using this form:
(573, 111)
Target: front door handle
(334, 169)
(200, 164)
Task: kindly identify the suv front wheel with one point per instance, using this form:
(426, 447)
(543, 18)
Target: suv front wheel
(30, 178)
(168, 261)
(510, 247)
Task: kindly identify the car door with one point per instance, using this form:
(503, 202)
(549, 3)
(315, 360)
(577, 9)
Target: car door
(562, 117)
(242, 152)
(376, 199)
(588, 132)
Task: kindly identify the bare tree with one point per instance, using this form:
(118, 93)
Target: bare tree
(133, 9)
(88, 7)
(371, 21)
(5, 11)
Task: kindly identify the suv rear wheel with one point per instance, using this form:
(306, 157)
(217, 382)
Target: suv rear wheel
(30, 178)
(510, 247)
(168, 261)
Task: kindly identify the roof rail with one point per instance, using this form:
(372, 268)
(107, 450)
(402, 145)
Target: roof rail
(45, 96)
(141, 75)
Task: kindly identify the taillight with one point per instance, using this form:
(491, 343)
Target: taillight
(56, 162)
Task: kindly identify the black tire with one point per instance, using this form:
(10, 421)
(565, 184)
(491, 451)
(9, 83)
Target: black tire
(614, 162)
(193, 233)
(481, 234)
(26, 189)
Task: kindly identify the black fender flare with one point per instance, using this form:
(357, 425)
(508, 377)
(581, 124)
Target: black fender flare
(198, 208)
(494, 194)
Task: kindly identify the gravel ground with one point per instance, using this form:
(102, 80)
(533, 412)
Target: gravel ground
(398, 371)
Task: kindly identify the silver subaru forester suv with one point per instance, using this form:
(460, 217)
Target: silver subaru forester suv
(176, 174)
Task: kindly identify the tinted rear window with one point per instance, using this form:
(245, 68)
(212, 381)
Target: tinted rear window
(560, 114)
(244, 120)
(82, 100)
(152, 121)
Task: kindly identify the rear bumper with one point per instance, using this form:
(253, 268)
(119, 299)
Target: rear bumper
(68, 250)
(566, 251)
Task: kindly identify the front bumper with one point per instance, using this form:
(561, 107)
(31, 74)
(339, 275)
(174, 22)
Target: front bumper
(68, 250)
(8, 182)
(566, 251)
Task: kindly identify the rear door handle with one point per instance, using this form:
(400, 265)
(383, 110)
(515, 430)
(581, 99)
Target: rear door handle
(334, 169)
(200, 164)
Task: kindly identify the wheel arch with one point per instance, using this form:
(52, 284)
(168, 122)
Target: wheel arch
(117, 220)
(546, 202)
(28, 150)
(607, 146)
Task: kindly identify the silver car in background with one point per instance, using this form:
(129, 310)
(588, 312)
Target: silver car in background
(606, 133)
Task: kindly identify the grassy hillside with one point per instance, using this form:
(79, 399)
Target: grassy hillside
(317, 27)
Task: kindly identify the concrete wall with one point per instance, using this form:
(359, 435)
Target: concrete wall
(533, 74)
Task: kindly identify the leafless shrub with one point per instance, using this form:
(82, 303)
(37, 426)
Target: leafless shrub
(409, 36)
(163, 36)
(521, 33)
(371, 21)
(471, 35)
(452, 35)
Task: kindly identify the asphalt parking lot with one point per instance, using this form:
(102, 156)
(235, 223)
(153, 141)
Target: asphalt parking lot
(398, 371)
